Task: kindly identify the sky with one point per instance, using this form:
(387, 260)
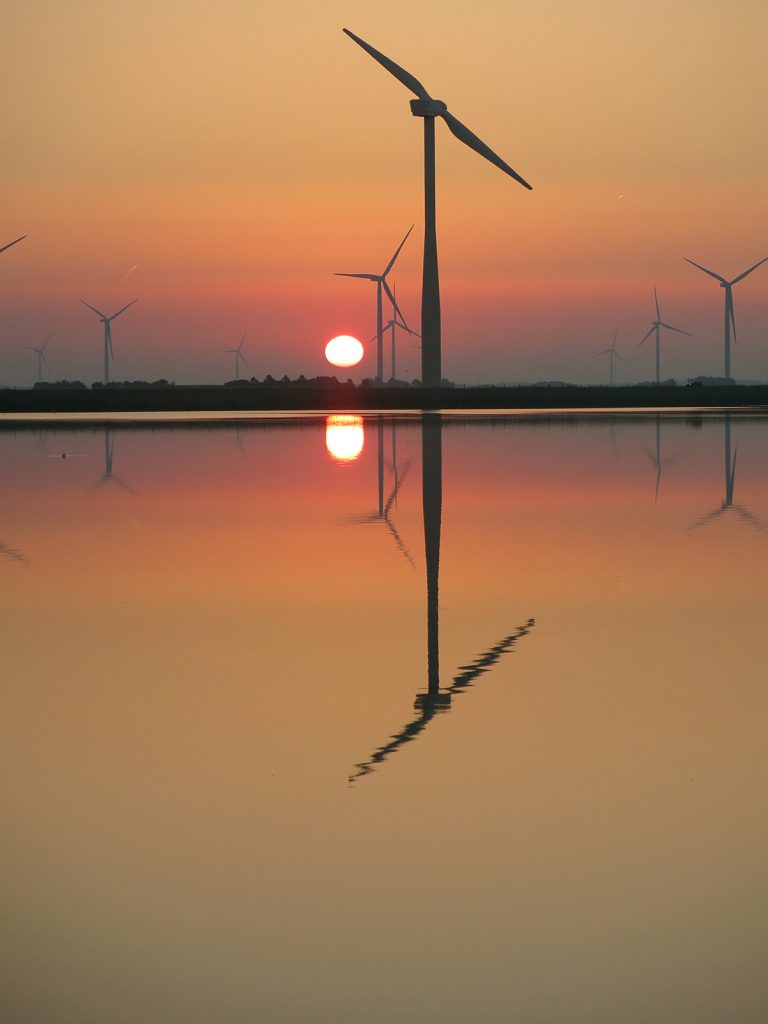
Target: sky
(221, 162)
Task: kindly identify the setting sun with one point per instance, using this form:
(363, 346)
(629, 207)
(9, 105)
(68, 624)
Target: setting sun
(344, 351)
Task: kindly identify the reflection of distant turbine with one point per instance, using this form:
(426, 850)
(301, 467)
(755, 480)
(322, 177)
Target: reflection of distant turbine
(435, 699)
(612, 353)
(108, 476)
(381, 283)
(40, 350)
(238, 354)
(730, 479)
(344, 436)
(730, 318)
(107, 321)
(656, 326)
(9, 244)
(656, 459)
(15, 556)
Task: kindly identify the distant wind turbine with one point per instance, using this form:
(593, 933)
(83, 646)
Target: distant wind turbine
(238, 354)
(730, 318)
(381, 285)
(40, 351)
(394, 325)
(656, 326)
(8, 246)
(429, 109)
(612, 353)
(107, 321)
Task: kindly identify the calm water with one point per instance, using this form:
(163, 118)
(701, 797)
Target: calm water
(465, 726)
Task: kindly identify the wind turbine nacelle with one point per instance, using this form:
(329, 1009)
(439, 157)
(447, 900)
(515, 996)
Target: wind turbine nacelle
(428, 108)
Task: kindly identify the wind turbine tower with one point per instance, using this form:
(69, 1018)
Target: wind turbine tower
(730, 318)
(428, 109)
(40, 351)
(612, 354)
(656, 326)
(107, 321)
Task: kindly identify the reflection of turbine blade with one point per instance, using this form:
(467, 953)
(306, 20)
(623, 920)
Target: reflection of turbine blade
(11, 553)
(429, 704)
(399, 541)
(748, 517)
(709, 517)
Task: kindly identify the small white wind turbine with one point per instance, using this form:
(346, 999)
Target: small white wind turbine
(238, 354)
(107, 321)
(656, 326)
(612, 354)
(40, 352)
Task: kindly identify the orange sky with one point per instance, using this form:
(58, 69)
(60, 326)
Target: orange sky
(238, 159)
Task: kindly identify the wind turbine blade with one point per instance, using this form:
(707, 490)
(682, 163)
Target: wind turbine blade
(46, 341)
(397, 252)
(711, 273)
(742, 276)
(241, 342)
(463, 134)
(93, 308)
(679, 330)
(732, 314)
(42, 355)
(367, 277)
(619, 356)
(615, 336)
(22, 237)
(391, 298)
(123, 309)
(244, 359)
(604, 352)
(399, 73)
(656, 300)
(109, 339)
(647, 336)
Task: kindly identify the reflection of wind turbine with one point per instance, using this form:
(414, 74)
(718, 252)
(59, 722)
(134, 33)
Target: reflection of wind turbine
(238, 354)
(381, 284)
(436, 700)
(656, 326)
(611, 353)
(656, 460)
(429, 109)
(15, 556)
(107, 321)
(40, 350)
(730, 479)
(9, 244)
(108, 476)
(730, 318)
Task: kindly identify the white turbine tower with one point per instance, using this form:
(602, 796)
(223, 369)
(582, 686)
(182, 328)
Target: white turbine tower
(656, 326)
(238, 354)
(107, 321)
(730, 318)
(612, 354)
(381, 285)
(40, 351)
(428, 109)
(8, 246)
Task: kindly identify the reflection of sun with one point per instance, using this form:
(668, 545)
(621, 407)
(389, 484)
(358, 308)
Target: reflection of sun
(344, 351)
(344, 437)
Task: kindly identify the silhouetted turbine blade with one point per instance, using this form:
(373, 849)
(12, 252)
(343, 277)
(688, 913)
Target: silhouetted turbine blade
(391, 298)
(399, 73)
(366, 277)
(742, 276)
(619, 356)
(22, 237)
(656, 300)
(131, 303)
(463, 134)
(604, 352)
(732, 314)
(678, 330)
(397, 252)
(711, 273)
(93, 309)
(647, 336)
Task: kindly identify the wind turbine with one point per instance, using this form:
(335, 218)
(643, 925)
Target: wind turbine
(730, 318)
(107, 321)
(428, 108)
(8, 246)
(40, 350)
(108, 477)
(656, 326)
(435, 700)
(730, 479)
(611, 353)
(238, 354)
(381, 285)
(394, 324)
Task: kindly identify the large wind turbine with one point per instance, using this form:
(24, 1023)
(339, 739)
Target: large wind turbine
(611, 353)
(656, 326)
(730, 318)
(238, 354)
(429, 109)
(8, 246)
(107, 321)
(40, 350)
(381, 285)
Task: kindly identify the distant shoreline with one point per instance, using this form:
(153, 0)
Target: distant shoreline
(348, 398)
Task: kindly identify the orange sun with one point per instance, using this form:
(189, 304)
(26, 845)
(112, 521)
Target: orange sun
(344, 351)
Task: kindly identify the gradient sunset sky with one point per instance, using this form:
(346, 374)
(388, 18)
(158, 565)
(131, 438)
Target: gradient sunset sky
(237, 154)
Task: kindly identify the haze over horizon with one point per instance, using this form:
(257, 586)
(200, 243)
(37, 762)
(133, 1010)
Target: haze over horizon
(220, 167)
